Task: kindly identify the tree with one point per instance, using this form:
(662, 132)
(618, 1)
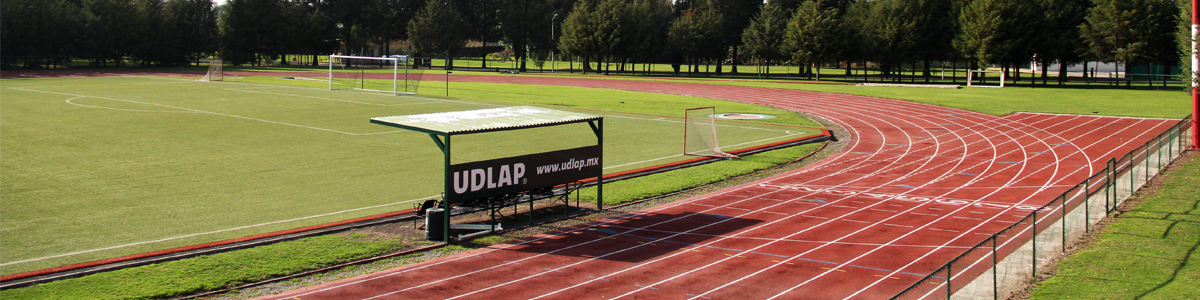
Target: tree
(156, 40)
(314, 32)
(1134, 31)
(887, 30)
(579, 34)
(483, 20)
(253, 30)
(525, 26)
(112, 30)
(695, 36)
(649, 21)
(1184, 40)
(195, 27)
(764, 38)
(996, 31)
(41, 32)
(812, 35)
(735, 17)
(935, 24)
(438, 28)
(1059, 39)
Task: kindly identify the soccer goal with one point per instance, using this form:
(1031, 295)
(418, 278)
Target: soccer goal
(982, 74)
(700, 133)
(361, 73)
(214, 71)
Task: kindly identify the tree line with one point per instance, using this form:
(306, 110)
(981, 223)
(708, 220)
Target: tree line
(886, 34)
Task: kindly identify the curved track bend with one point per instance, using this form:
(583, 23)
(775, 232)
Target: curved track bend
(916, 185)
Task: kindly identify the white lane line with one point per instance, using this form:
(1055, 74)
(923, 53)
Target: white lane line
(1011, 181)
(917, 169)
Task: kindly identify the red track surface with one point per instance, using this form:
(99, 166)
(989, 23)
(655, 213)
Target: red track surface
(916, 186)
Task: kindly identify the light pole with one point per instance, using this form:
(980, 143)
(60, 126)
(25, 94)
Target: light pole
(1195, 84)
(553, 63)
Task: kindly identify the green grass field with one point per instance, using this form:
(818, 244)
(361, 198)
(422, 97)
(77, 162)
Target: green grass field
(1151, 252)
(102, 167)
(148, 281)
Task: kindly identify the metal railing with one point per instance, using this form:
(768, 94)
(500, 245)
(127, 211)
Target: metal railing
(1001, 264)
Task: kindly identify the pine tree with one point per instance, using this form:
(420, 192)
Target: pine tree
(1133, 32)
(764, 38)
(812, 35)
(437, 29)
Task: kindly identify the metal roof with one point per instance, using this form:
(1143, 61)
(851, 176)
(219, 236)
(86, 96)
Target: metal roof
(484, 120)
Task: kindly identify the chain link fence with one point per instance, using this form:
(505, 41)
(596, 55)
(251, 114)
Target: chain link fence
(1005, 261)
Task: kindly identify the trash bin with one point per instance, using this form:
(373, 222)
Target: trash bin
(435, 224)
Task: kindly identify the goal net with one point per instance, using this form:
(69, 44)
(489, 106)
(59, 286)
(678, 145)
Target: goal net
(978, 78)
(700, 133)
(214, 71)
(375, 74)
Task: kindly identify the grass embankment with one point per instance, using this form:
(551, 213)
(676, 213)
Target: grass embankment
(1149, 252)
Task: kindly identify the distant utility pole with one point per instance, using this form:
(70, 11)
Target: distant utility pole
(553, 62)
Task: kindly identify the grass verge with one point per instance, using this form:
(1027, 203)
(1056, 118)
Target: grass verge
(1151, 251)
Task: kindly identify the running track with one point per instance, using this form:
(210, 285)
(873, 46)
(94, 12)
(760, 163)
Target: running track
(916, 185)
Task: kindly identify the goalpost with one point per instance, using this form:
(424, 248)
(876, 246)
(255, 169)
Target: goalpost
(971, 73)
(214, 71)
(348, 72)
(700, 133)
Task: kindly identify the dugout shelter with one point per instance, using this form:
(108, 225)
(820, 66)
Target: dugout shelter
(511, 178)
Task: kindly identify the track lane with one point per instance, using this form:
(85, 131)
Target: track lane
(874, 142)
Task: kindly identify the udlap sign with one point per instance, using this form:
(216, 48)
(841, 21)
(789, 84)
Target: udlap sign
(480, 179)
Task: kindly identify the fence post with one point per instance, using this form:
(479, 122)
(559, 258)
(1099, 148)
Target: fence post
(1033, 241)
(1064, 219)
(1132, 174)
(1107, 179)
(1112, 183)
(1147, 169)
(1087, 213)
(995, 278)
(1159, 151)
(949, 276)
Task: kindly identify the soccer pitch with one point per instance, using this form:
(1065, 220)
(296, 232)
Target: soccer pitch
(101, 167)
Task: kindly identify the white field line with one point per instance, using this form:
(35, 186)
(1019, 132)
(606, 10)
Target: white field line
(207, 112)
(216, 231)
(298, 88)
(123, 109)
(332, 99)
